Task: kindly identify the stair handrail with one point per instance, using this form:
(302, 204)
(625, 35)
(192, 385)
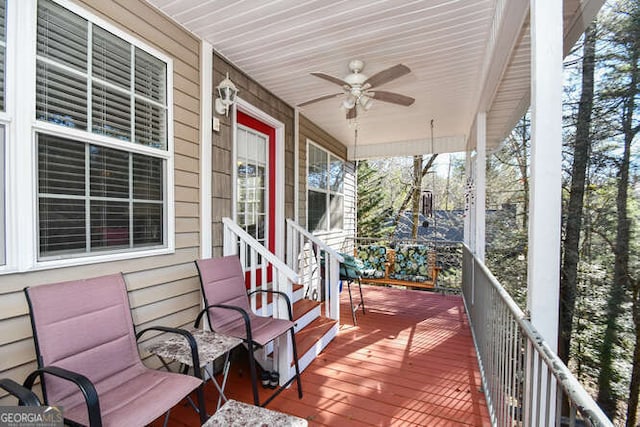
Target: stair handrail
(296, 238)
(314, 239)
(260, 248)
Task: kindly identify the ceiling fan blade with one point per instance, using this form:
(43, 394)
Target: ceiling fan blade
(332, 79)
(387, 75)
(352, 113)
(322, 98)
(394, 98)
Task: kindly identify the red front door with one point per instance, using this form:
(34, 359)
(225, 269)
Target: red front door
(255, 184)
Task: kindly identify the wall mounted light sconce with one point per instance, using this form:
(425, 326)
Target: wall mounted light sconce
(227, 92)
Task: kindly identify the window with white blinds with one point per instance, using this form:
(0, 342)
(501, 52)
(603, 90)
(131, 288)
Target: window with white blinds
(93, 197)
(325, 190)
(90, 79)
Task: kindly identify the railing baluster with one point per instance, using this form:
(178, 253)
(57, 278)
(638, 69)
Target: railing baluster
(264, 280)
(499, 350)
(548, 395)
(252, 279)
(558, 418)
(572, 415)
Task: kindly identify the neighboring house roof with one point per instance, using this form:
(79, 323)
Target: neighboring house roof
(449, 225)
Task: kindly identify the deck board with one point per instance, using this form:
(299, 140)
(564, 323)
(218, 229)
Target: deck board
(410, 361)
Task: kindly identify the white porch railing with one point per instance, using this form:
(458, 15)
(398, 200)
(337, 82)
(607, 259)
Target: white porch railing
(523, 379)
(264, 268)
(321, 279)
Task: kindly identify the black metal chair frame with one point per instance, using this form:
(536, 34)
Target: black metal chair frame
(252, 346)
(25, 396)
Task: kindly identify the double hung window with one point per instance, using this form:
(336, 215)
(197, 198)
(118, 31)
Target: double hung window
(325, 190)
(102, 151)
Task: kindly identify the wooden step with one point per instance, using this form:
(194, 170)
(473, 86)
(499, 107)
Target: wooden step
(302, 307)
(304, 312)
(312, 333)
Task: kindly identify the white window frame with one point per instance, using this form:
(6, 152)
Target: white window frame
(3, 204)
(22, 159)
(326, 191)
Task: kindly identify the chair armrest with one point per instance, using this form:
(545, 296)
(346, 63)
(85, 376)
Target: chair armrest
(25, 396)
(245, 317)
(270, 291)
(84, 384)
(193, 345)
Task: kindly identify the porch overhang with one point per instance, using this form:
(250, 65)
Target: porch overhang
(465, 57)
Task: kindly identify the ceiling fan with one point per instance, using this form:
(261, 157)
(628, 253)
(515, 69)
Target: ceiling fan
(360, 89)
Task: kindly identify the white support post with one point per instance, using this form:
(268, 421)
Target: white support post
(546, 156)
(481, 184)
(296, 165)
(543, 278)
(334, 285)
(206, 129)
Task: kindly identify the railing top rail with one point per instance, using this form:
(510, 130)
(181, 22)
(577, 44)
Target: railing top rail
(315, 240)
(569, 383)
(427, 240)
(264, 252)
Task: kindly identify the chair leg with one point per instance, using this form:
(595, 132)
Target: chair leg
(295, 360)
(295, 377)
(361, 297)
(201, 406)
(254, 375)
(353, 311)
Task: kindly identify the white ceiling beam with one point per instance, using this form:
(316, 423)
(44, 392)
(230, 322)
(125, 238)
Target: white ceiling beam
(416, 147)
(505, 35)
(581, 20)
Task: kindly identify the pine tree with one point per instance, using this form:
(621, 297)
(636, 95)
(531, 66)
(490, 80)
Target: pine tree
(373, 210)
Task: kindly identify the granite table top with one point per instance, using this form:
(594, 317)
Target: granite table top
(237, 414)
(211, 345)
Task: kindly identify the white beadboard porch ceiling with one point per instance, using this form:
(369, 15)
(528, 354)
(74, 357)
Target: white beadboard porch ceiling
(464, 55)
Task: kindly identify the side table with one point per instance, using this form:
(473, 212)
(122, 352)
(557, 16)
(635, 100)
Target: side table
(211, 345)
(240, 414)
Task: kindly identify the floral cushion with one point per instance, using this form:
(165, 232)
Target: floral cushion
(412, 264)
(374, 258)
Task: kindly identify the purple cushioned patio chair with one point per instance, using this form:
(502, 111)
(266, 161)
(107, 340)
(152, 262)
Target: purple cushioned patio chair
(228, 311)
(88, 359)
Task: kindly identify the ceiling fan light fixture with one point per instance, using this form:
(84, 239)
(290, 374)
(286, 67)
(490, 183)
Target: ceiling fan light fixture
(361, 91)
(365, 102)
(349, 102)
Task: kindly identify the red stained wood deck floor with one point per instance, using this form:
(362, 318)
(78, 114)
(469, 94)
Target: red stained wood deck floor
(409, 361)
